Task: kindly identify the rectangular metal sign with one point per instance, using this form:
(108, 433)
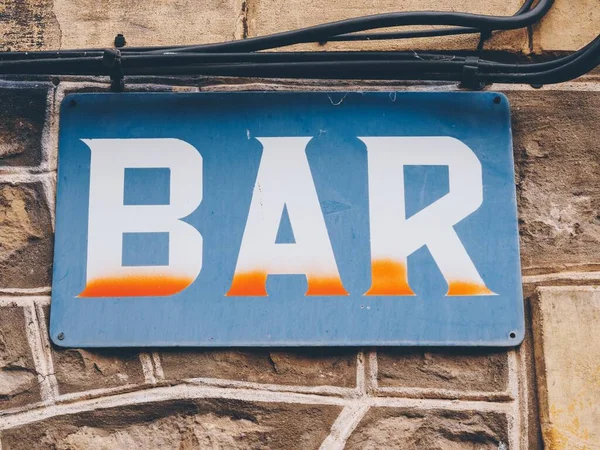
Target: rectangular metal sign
(286, 219)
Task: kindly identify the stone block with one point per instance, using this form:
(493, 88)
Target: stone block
(568, 26)
(557, 159)
(461, 370)
(180, 425)
(81, 370)
(272, 16)
(19, 384)
(95, 23)
(78, 370)
(28, 25)
(23, 110)
(529, 404)
(398, 428)
(566, 334)
(313, 367)
(25, 236)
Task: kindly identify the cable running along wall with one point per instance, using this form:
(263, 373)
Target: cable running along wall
(244, 58)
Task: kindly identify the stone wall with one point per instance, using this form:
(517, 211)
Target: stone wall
(359, 398)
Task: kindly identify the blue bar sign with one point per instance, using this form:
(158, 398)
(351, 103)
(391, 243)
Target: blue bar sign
(253, 219)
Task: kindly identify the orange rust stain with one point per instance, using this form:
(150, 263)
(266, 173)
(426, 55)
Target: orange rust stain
(136, 286)
(467, 288)
(249, 284)
(254, 283)
(389, 277)
(325, 286)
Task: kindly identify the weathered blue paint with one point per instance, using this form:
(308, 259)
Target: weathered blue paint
(223, 127)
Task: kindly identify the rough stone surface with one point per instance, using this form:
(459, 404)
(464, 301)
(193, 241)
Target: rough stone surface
(183, 425)
(474, 370)
(292, 14)
(23, 112)
(390, 428)
(28, 25)
(569, 25)
(80, 370)
(25, 236)
(333, 367)
(557, 158)
(19, 383)
(530, 403)
(567, 330)
(95, 23)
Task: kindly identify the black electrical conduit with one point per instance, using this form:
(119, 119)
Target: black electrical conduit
(557, 71)
(339, 31)
(346, 65)
(238, 58)
(324, 32)
(420, 33)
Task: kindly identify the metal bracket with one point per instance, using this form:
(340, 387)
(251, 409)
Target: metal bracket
(112, 61)
(483, 36)
(469, 74)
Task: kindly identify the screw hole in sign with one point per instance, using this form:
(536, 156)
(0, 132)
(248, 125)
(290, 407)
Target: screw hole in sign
(513, 335)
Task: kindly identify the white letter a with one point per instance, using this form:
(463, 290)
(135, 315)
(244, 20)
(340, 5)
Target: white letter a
(284, 180)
